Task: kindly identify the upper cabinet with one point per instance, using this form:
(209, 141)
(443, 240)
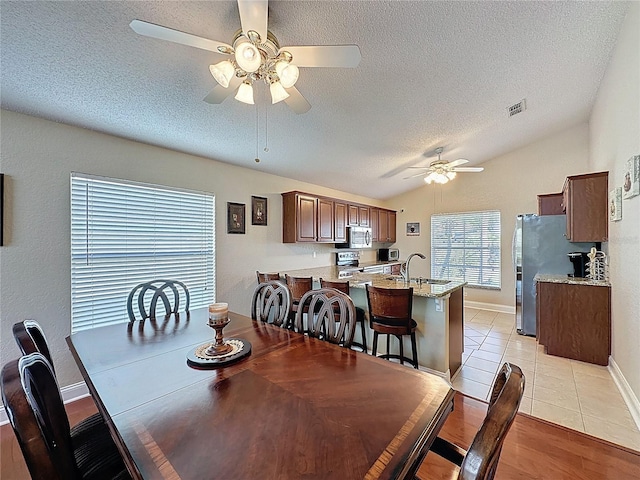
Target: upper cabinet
(550, 204)
(584, 201)
(311, 218)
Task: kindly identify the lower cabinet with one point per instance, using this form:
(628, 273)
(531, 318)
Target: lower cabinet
(574, 321)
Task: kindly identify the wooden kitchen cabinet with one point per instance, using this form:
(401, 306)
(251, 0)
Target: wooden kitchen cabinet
(326, 222)
(585, 202)
(358, 215)
(374, 216)
(306, 218)
(574, 321)
(550, 204)
(386, 226)
(340, 230)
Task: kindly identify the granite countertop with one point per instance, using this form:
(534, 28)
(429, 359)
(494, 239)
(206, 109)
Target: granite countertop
(549, 278)
(384, 280)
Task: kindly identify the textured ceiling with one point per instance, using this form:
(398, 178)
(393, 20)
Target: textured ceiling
(432, 74)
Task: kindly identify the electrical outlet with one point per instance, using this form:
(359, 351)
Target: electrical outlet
(314, 254)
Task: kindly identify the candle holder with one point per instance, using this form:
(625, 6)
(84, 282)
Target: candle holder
(221, 352)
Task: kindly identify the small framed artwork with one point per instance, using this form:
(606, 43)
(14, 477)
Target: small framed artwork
(413, 229)
(631, 180)
(258, 210)
(235, 217)
(615, 204)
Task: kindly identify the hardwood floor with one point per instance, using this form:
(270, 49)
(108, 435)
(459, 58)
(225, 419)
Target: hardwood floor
(534, 449)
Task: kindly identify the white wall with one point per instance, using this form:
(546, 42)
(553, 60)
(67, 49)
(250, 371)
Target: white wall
(509, 183)
(37, 159)
(614, 137)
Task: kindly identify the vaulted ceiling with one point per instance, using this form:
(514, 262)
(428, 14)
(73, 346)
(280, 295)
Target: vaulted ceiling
(433, 73)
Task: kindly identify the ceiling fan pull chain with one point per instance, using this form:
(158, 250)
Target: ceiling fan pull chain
(266, 129)
(257, 159)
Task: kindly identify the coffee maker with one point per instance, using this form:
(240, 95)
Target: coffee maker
(580, 261)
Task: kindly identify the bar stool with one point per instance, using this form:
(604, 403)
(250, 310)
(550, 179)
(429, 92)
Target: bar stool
(267, 277)
(298, 286)
(344, 287)
(390, 314)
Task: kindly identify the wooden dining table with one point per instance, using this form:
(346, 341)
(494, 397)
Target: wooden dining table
(296, 407)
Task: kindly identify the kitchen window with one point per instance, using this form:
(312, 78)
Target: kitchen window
(466, 246)
(124, 233)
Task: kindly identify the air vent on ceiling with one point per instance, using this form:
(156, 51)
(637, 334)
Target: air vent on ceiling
(517, 108)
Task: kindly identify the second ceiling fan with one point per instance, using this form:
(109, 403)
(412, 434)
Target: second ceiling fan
(255, 55)
(441, 171)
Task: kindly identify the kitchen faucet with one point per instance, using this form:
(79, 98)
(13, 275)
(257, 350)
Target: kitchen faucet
(404, 270)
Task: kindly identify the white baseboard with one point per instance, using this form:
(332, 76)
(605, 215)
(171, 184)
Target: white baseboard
(70, 393)
(494, 307)
(628, 395)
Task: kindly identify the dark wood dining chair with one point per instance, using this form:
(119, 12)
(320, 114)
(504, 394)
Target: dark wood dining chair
(331, 316)
(390, 314)
(480, 461)
(267, 277)
(343, 286)
(30, 338)
(298, 286)
(168, 291)
(271, 303)
(50, 448)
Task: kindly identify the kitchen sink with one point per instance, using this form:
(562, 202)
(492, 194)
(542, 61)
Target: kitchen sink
(427, 281)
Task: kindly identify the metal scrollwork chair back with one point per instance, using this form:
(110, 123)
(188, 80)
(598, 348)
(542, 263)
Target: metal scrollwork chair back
(271, 303)
(159, 290)
(330, 315)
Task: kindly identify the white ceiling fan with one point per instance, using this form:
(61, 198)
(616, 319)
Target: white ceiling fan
(441, 171)
(255, 54)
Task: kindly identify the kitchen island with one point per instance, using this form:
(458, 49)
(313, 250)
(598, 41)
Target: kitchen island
(437, 309)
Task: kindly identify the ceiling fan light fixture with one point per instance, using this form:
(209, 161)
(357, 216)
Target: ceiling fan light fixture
(245, 93)
(223, 72)
(288, 73)
(278, 93)
(450, 175)
(248, 56)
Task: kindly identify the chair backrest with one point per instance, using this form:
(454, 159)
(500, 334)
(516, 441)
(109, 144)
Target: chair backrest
(298, 286)
(331, 316)
(343, 286)
(267, 277)
(158, 289)
(32, 399)
(30, 338)
(482, 457)
(390, 305)
(271, 303)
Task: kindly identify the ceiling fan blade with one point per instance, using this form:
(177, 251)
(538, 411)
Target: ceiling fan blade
(325, 55)
(467, 169)
(421, 168)
(253, 16)
(416, 175)
(455, 163)
(163, 33)
(296, 101)
(219, 93)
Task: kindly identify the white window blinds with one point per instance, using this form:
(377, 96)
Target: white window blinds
(466, 246)
(125, 233)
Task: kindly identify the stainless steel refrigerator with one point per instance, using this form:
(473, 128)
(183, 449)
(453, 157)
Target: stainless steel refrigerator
(539, 246)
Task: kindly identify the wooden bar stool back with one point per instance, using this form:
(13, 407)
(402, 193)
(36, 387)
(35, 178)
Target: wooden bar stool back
(390, 314)
(267, 277)
(343, 286)
(298, 286)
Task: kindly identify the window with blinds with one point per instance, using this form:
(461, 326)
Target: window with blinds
(466, 246)
(125, 233)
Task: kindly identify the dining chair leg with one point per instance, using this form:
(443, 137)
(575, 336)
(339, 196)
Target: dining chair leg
(415, 350)
(401, 349)
(374, 350)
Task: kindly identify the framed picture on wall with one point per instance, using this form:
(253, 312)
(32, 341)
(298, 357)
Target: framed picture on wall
(631, 180)
(258, 210)
(413, 229)
(235, 217)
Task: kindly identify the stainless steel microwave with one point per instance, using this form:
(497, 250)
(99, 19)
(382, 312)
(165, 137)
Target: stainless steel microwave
(360, 237)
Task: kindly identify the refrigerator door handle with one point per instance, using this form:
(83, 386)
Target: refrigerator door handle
(513, 248)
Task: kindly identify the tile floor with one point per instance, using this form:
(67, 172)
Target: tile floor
(578, 395)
